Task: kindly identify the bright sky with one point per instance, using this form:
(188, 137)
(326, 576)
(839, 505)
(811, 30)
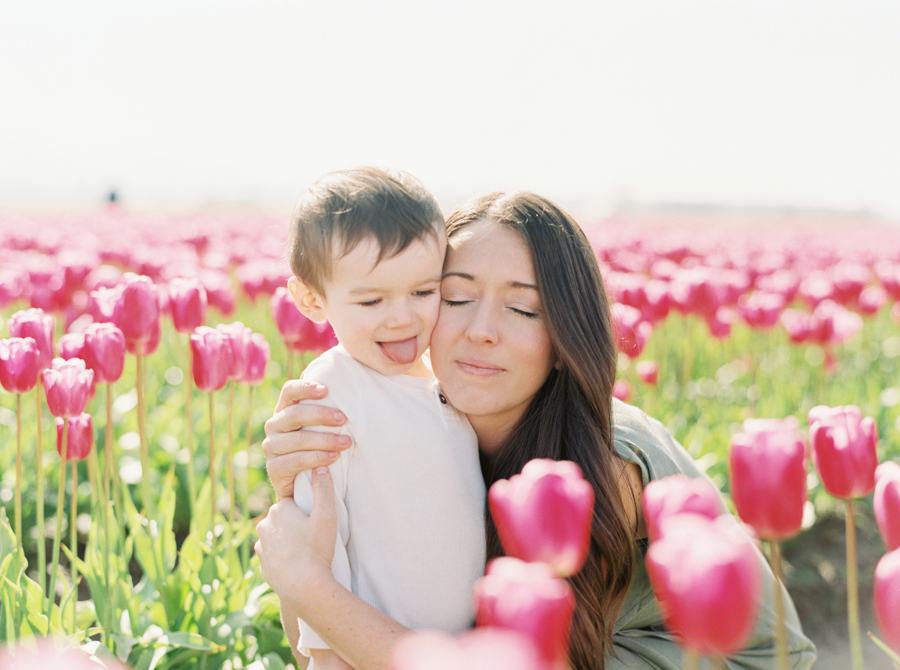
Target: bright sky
(595, 104)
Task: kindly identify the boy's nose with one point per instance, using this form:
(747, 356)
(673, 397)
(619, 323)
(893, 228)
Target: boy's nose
(402, 315)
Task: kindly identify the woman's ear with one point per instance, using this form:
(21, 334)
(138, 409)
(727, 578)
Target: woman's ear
(307, 300)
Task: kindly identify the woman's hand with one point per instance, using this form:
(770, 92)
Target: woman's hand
(290, 450)
(295, 549)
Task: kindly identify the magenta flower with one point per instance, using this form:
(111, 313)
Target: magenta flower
(478, 649)
(238, 336)
(767, 466)
(648, 371)
(529, 599)
(70, 345)
(137, 314)
(79, 437)
(544, 514)
(708, 581)
(844, 450)
(887, 597)
(887, 503)
(19, 364)
(34, 323)
(257, 360)
(212, 358)
(67, 385)
(104, 352)
(188, 304)
(678, 494)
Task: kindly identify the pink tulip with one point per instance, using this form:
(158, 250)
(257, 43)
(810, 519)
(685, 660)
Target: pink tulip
(479, 649)
(238, 336)
(257, 360)
(707, 578)
(622, 390)
(719, 323)
(529, 599)
(844, 450)
(544, 514)
(887, 597)
(630, 330)
(648, 371)
(104, 352)
(102, 303)
(887, 503)
(137, 314)
(212, 358)
(760, 310)
(678, 494)
(872, 299)
(767, 467)
(188, 303)
(797, 325)
(67, 385)
(298, 332)
(42, 653)
(79, 437)
(219, 291)
(19, 364)
(34, 323)
(70, 345)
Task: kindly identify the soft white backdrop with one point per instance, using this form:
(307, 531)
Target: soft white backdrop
(598, 104)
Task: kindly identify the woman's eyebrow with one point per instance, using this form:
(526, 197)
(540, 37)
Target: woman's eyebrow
(511, 284)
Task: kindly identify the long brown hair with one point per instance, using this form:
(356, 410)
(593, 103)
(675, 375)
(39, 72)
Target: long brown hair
(570, 418)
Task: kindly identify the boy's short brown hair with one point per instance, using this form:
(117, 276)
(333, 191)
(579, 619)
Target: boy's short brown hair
(346, 206)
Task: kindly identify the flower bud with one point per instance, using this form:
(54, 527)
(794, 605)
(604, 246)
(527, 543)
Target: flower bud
(544, 514)
(844, 450)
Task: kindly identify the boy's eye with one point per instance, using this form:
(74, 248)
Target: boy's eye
(370, 303)
(424, 292)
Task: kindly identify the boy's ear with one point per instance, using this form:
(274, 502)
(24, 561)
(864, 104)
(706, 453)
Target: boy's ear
(307, 300)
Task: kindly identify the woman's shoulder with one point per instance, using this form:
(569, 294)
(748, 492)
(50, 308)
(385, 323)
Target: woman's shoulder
(644, 441)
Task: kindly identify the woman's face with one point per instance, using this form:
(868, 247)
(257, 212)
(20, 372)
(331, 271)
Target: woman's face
(490, 349)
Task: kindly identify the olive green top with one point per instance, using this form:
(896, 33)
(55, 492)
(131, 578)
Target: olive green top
(640, 640)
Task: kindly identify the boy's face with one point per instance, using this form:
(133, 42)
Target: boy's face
(383, 312)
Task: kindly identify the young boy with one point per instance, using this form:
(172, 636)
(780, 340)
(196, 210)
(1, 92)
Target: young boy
(366, 250)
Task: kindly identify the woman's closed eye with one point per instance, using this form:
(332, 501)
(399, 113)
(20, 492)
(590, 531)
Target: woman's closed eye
(526, 313)
(455, 303)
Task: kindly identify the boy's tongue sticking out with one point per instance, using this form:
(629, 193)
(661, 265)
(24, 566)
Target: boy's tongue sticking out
(403, 352)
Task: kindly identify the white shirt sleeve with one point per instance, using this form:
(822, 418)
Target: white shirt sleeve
(340, 565)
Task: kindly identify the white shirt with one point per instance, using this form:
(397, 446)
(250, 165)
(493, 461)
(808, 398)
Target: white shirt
(410, 497)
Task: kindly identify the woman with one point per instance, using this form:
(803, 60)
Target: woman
(524, 347)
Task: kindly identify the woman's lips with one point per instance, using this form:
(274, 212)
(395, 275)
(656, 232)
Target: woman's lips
(478, 368)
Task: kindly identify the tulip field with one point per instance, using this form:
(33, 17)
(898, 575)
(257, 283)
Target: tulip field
(150, 349)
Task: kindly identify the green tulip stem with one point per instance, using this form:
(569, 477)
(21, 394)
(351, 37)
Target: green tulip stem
(781, 657)
(212, 470)
(19, 473)
(229, 462)
(73, 541)
(853, 591)
(107, 472)
(57, 539)
(189, 433)
(142, 432)
(691, 659)
(39, 455)
(894, 656)
(245, 546)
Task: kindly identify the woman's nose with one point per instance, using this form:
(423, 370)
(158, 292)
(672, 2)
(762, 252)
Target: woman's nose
(482, 327)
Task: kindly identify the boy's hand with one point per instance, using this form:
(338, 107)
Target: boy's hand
(290, 450)
(295, 549)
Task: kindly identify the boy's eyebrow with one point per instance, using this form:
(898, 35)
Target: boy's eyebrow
(511, 284)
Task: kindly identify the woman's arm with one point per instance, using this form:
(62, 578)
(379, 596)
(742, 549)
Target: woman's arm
(295, 553)
(290, 450)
